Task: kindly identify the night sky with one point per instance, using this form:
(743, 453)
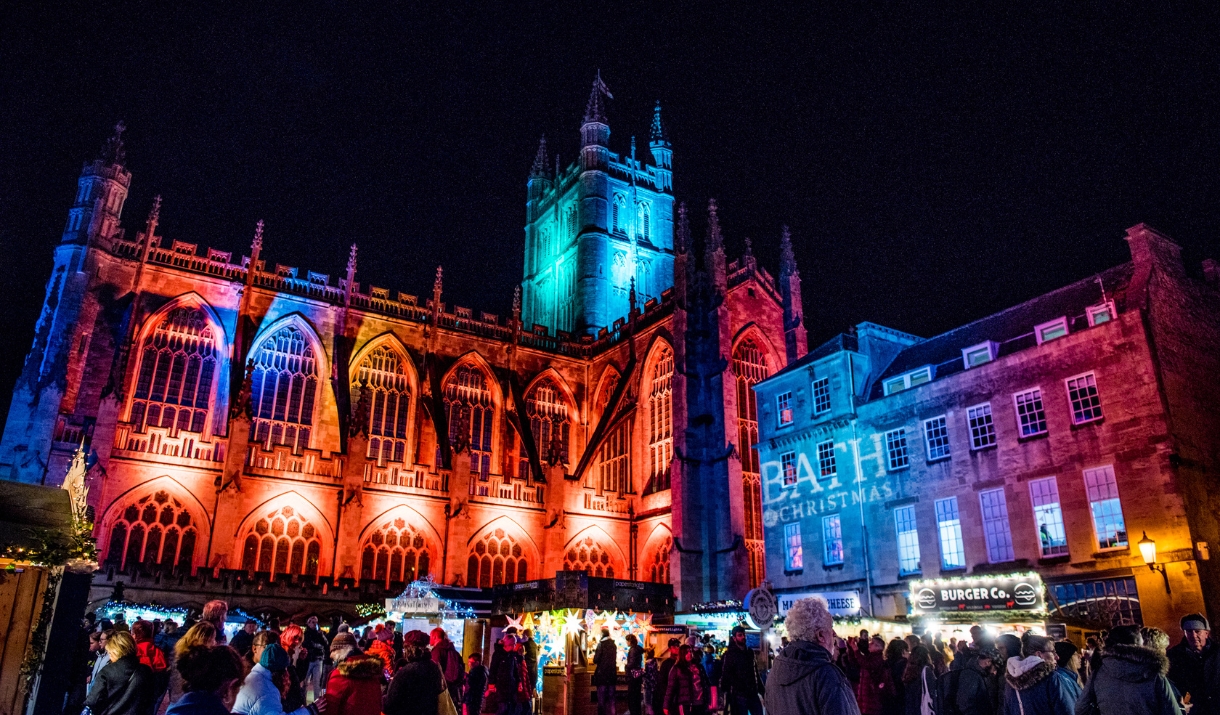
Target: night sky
(935, 167)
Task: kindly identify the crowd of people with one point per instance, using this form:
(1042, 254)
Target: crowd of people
(1129, 670)
(149, 668)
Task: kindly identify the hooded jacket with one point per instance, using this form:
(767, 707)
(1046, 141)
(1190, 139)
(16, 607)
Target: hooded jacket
(1034, 689)
(606, 660)
(804, 681)
(260, 696)
(354, 687)
(737, 674)
(1131, 681)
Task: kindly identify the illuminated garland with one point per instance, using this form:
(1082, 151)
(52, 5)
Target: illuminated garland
(55, 548)
(712, 606)
(370, 610)
(426, 588)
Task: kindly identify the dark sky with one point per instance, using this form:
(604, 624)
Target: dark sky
(935, 166)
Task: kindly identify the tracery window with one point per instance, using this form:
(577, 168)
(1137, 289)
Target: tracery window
(620, 208)
(614, 461)
(657, 570)
(750, 367)
(468, 402)
(548, 415)
(395, 552)
(177, 368)
(282, 542)
(495, 559)
(283, 388)
(155, 531)
(588, 555)
(572, 221)
(660, 422)
(643, 215)
(384, 372)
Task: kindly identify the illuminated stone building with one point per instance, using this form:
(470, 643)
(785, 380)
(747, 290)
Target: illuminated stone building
(269, 432)
(1050, 437)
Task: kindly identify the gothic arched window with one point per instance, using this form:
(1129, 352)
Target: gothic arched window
(618, 215)
(657, 568)
(282, 542)
(614, 461)
(395, 552)
(572, 221)
(495, 559)
(643, 215)
(548, 415)
(283, 388)
(156, 531)
(590, 556)
(750, 367)
(384, 372)
(660, 422)
(469, 407)
(177, 368)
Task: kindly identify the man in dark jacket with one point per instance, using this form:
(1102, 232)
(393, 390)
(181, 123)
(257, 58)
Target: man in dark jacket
(446, 656)
(476, 685)
(738, 676)
(1034, 688)
(605, 676)
(663, 671)
(635, 675)
(1131, 680)
(124, 686)
(976, 683)
(530, 650)
(1186, 658)
(508, 676)
(804, 679)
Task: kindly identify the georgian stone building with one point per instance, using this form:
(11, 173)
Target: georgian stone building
(247, 420)
(1053, 436)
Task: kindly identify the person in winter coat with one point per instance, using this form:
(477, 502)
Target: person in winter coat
(417, 686)
(263, 690)
(635, 675)
(739, 677)
(605, 677)
(687, 691)
(919, 683)
(1130, 681)
(509, 682)
(804, 679)
(450, 662)
(873, 675)
(211, 678)
(663, 670)
(1068, 667)
(292, 640)
(477, 676)
(125, 686)
(354, 687)
(150, 655)
(1187, 657)
(1034, 687)
(893, 700)
(977, 684)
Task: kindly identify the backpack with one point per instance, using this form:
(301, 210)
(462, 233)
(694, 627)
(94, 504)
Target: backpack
(945, 699)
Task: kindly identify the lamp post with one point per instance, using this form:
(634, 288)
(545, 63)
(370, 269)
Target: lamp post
(1148, 551)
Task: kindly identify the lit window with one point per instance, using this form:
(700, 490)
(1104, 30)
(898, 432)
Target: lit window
(911, 379)
(283, 386)
(496, 559)
(383, 374)
(794, 559)
(1030, 415)
(660, 423)
(995, 526)
(821, 395)
(156, 532)
(908, 540)
(1086, 403)
(980, 354)
(1056, 328)
(470, 409)
(177, 366)
(936, 435)
(1099, 314)
(282, 542)
(590, 556)
(783, 405)
(826, 459)
(1048, 517)
(1107, 511)
(982, 429)
(395, 552)
(896, 449)
(832, 539)
(949, 528)
(787, 462)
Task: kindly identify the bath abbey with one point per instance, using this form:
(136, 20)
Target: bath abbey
(242, 420)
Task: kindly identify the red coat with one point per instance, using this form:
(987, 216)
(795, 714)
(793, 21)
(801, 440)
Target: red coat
(874, 680)
(354, 687)
(151, 656)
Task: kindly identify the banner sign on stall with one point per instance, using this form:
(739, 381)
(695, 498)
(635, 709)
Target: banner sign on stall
(1002, 592)
(411, 606)
(840, 603)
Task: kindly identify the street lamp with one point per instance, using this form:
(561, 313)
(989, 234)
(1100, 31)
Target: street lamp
(1148, 551)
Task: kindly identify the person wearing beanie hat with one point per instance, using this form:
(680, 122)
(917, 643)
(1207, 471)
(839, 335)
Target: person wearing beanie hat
(1187, 657)
(354, 686)
(417, 687)
(260, 694)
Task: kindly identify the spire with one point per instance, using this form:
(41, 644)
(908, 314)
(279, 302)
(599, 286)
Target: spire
(657, 134)
(154, 216)
(436, 285)
(538, 171)
(633, 147)
(595, 110)
(683, 243)
(517, 304)
(350, 287)
(631, 298)
(714, 241)
(113, 152)
(787, 259)
(256, 247)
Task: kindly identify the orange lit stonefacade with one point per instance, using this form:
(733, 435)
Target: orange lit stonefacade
(252, 420)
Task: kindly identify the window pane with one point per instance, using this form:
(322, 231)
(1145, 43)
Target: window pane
(832, 538)
(949, 528)
(787, 462)
(995, 526)
(1107, 511)
(936, 434)
(1030, 415)
(793, 556)
(826, 459)
(982, 429)
(1086, 403)
(821, 395)
(783, 405)
(896, 449)
(908, 540)
(1048, 517)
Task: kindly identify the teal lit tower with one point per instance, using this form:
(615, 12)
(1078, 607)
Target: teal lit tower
(595, 225)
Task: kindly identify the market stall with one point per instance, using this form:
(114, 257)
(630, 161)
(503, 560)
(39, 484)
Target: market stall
(132, 612)
(422, 608)
(1000, 603)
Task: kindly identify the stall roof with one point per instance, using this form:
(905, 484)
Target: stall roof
(26, 506)
(577, 589)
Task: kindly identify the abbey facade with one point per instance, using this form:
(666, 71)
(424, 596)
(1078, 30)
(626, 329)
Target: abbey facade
(253, 420)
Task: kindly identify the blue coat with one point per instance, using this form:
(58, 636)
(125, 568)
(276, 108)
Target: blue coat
(1035, 689)
(198, 704)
